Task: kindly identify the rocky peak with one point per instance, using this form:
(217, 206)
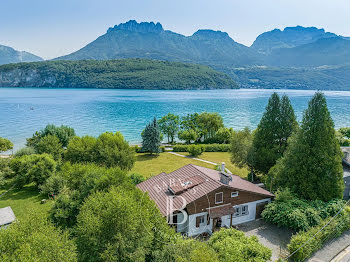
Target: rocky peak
(143, 27)
(206, 34)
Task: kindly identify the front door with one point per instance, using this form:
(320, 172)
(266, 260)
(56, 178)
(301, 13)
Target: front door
(217, 222)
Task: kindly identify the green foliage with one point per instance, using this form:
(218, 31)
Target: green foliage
(274, 129)
(63, 133)
(122, 74)
(120, 225)
(233, 245)
(343, 136)
(169, 125)
(25, 151)
(136, 178)
(345, 131)
(311, 166)
(241, 145)
(32, 168)
(151, 138)
(109, 149)
(76, 182)
(206, 148)
(33, 238)
(195, 150)
(224, 135)
(51, 145)
(187, 250)
(305, 243)
(289, 211)
(188, 135)
(5, 144)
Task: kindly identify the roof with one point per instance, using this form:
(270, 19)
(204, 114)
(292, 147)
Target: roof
(220, 211)
(6, 216)
(206, 180)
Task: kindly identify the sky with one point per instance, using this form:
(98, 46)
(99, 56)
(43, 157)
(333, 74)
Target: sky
(52, 28)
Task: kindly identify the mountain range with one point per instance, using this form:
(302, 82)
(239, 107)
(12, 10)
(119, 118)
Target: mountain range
(291, 58)
(10, 55)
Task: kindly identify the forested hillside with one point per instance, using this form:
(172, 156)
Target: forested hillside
(123, 74)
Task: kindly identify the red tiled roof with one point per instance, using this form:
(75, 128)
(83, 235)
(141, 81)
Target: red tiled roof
(206, 180)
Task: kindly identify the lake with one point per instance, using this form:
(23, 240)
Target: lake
(93, 111)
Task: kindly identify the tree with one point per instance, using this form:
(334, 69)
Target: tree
(51, 145)
(188, 135)
(233, 245)
(209, 124)
(33, 238)
(345, 131)
(195, 150)
(311, 166)
(63, 133)
(32, 168)
(151, 138)
(113, 150)
(74, 183)
(241, 145)
(224, 135)
(274, 129)
(81, 149)
(5, 144)
(169, 125)
(120, 225)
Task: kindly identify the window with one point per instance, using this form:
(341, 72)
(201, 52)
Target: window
(199, 221)
(219, 198)
(234, 194)
(240, 211)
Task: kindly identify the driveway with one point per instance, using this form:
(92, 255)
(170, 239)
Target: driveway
(269, 235)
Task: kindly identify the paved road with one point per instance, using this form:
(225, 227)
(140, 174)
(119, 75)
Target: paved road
(332, 249)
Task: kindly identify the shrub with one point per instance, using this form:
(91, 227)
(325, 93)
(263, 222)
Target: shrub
(25, 151)
(207, 148)
(5, 144)
(313, 239)
(136, 178)
(195, 150)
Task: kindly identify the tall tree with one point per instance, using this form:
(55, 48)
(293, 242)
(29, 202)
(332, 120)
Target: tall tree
(5, 144)
(169, 125)
(151, 138)
(311, 165)
(274, 129)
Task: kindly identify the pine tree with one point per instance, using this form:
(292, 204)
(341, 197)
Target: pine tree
(151, 138)
(311, 165)
(274, 129)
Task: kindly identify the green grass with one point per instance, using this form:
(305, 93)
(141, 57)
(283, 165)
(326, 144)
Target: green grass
(219, 157)
(25, 200)
(149, 166)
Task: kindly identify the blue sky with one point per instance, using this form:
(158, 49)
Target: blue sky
(51, 28)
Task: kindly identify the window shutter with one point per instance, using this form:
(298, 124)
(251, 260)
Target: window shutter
(198, 220)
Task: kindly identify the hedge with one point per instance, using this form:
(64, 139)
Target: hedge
(334, 229)
(207, 148)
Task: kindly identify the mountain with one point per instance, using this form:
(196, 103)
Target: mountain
(122, 74)
(150, 40)
(288, 38)
(10, 55)
(324, 51)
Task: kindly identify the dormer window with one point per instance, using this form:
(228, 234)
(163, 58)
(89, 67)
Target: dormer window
(234, 194)
(219, 198)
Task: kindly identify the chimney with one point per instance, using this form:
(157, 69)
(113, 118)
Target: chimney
(224, 177)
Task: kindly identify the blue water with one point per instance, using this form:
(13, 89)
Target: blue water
(93, 111)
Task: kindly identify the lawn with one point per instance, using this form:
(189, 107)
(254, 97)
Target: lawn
(219, 157)
(25, 200)
(149, 166)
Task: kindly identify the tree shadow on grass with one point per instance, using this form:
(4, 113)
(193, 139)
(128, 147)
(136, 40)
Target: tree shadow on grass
(26, 192)
(146, 157)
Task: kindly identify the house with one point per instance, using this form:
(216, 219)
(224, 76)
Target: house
(6, 216)
(346, 168)
(199, 200)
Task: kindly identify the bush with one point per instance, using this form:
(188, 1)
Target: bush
(207, 148)
(136, 178)
(195, 150)
(5, 144)
(25, 151)
(289, 211)
(332, 230)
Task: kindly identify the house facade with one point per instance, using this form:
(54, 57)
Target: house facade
(199, 200)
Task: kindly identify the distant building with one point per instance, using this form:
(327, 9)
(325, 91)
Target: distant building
(346, 168)
(199, 200)
(6, 216)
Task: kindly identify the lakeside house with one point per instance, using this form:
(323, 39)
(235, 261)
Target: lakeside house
(346, 168)
(199, 200)
(6, 217)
